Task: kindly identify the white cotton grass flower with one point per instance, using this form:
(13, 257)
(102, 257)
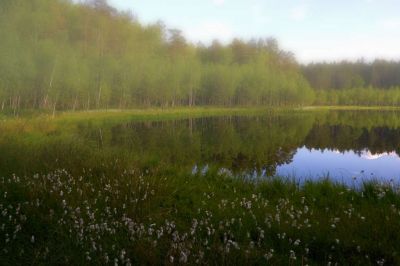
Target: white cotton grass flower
(292, 255)
(269, 254)
(380, 262)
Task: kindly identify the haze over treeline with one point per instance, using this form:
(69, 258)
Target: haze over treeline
(59, 55)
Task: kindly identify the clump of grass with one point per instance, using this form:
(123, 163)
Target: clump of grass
(203, 218)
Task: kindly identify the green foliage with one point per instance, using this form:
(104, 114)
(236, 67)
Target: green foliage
(60, 55)
(359, 96)
(359, 83)
(380, 74)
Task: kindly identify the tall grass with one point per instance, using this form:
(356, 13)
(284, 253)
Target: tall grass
(203, 218)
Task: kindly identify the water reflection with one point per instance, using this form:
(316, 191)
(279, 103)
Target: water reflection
(345, 166)
(341, 144)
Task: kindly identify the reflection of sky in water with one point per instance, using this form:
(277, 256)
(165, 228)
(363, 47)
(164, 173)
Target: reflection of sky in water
(314, 164)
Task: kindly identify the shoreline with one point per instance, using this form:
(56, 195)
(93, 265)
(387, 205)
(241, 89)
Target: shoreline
(179, 112)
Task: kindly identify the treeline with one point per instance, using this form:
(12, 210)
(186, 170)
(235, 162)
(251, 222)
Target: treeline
(360, 83)
(59, 55)
(379, 74)
(359, 97)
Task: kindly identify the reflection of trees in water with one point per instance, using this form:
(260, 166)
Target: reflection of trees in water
(253, 143)
(236, 143)
(345, 138)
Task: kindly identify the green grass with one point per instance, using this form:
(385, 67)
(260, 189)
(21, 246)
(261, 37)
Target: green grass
(156, 114)
(351, 108)
(30, 117)
(211, 218)
(142, 113)
(45, 122)
(186, 111)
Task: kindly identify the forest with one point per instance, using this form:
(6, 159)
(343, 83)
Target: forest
(358, 83)
(63, 55)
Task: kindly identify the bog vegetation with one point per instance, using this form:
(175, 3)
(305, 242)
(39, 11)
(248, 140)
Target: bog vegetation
(206, 218)
(61, 55)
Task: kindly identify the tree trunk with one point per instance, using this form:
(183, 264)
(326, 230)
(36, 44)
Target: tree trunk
(191, 97)
(88, 102)
(52, 74)
(75, 103)
(54, 107)
(45, 101)
(99, 98)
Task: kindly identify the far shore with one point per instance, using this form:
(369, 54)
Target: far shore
(143, 113)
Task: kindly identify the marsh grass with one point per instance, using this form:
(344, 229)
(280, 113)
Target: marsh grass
(31, 119)
(350, 108)
(204, 218)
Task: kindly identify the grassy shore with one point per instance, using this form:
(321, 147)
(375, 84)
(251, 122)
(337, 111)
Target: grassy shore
(351, 108)
(174, 113)
(208, 218)
(160, 114)
(141, 113)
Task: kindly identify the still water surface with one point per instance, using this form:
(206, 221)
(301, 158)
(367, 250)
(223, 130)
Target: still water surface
(344, 145)
(345, 167)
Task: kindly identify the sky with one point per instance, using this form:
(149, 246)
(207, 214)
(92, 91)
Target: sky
(315, 30)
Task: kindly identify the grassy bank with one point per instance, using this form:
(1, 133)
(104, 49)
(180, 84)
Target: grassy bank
(162, 114)
(142, 113)
(178, 112)
(351, 108)
(28, 120)
(203, 218)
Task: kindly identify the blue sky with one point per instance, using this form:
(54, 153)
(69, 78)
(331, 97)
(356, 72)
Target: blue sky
(315, 30)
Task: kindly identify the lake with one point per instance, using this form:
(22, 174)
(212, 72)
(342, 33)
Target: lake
(346, 146)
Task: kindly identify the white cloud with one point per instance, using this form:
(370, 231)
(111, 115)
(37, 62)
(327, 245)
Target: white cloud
(350, 48)
(299, 13)
(390, 24)
(218, 2)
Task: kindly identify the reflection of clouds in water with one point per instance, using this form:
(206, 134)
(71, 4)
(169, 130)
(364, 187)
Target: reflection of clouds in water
(370, 156)
(366, 154)
(348, 166)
